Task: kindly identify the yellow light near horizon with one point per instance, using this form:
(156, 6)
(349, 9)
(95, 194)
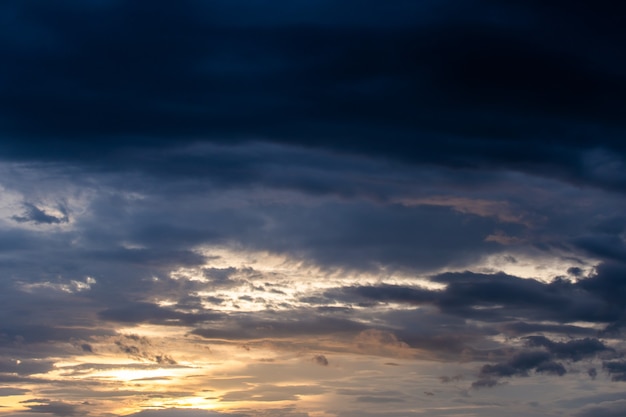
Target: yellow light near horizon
(13, 403)
(130, 375)
(197, 402)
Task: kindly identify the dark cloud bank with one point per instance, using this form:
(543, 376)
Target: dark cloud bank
(534, 86)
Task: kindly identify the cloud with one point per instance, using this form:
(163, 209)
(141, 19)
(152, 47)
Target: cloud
(271, 393)
(25, 367)
(616, 369)
(139, 347)
(38, 216)
(151, 313)
(182, 412)
(506, 298)
(416, 180)
(522, 328)
(7, 391)
(320, 360)
(552, 368)
(519, 365)
(543, 361)
(486, 382)
(58, 408)
(604, 409)
(573, 349)
(244, 327)
(556, 100)
(378, 400)
(383, 293)
(382, 342)
(448, 379)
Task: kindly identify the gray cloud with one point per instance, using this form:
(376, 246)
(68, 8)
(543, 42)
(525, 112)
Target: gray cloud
(486, 382)
(152, 313)
(241, 327)
(25, 367)
(320, 360)
(573, 349)
(7, 391)
(362, 146)
(617, 370)
(183, 412)
(519, 364)
(378, 400)
(604, 409)
(333, 92)
(271, 393)
(38, 216)
(139, 347)
(58, 408)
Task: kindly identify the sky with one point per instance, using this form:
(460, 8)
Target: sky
(312, 208)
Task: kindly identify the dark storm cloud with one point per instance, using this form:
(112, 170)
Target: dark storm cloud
(378, 137)
(552, 368)
(574, 350)
(383, 293)
(617, 370)
(606, 246)
(608, 283)
(499, 298)
(519, 364)
(460, 83)
(559, 299)
(364, 236)
(470, 289)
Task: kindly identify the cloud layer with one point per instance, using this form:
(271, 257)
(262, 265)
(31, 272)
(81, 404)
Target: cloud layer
(312, 208)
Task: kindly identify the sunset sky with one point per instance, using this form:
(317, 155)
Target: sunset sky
(312, 208)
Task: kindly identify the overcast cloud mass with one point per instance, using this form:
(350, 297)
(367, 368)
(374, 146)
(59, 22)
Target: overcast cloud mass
(312, 208)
